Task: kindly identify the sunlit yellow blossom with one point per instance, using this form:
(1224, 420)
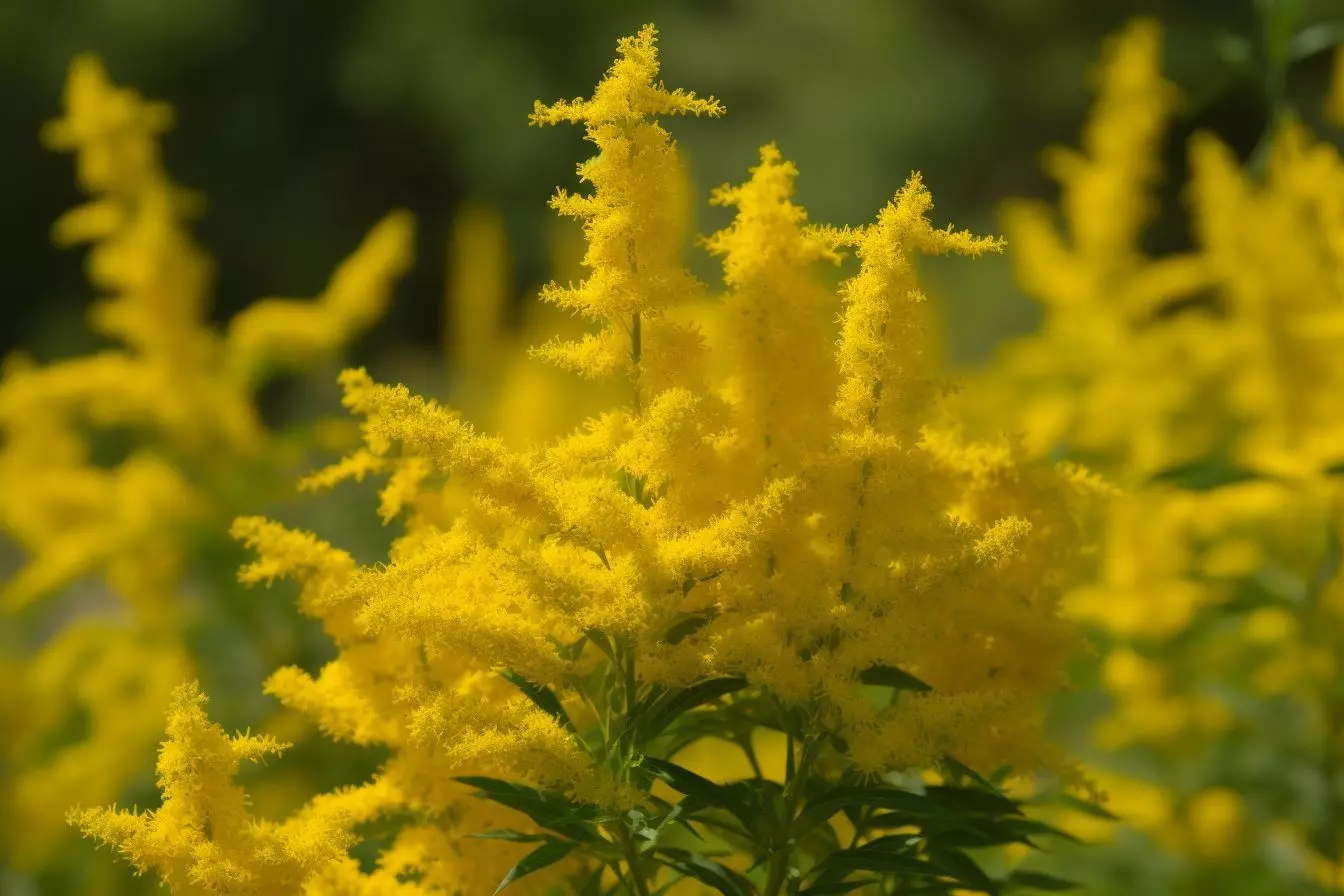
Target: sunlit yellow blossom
(203, 838)
(706, 500)
(635, 236)
(784, 521)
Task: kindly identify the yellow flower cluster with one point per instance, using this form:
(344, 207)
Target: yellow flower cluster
(114, 534)
(1209, 383)
(803, 522)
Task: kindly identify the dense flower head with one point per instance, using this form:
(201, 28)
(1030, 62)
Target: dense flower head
(783, 523)
(203, 838)
(632, 220)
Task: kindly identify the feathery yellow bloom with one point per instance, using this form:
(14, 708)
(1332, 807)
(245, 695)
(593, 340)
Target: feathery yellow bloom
(203, 838)
(787, 510)
(771, 509)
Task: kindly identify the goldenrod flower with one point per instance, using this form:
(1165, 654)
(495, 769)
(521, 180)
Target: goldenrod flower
(793, 519)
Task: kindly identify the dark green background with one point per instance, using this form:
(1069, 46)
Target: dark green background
(303, 121)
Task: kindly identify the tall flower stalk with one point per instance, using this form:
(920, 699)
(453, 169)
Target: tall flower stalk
(784, 530)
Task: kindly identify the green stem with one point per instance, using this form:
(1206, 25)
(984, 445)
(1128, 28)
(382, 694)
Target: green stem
(624, 666)
(1278, 21)
(631, 685)
(636, 873)
(750, 749)
(794, 785)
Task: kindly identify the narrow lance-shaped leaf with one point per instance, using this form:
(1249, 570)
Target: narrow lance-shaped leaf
(550, 810)
(1088, 807)
(891, 677)
(972, 799)
(709, 872)
(841, 798)
(957, 767)
(686, 626)
(836, 888)
(541, 857)
(1037, 880)
(544, 698)
(1205, 475)
(887, 855)
(663, 710)
(511, 836)
(963, 869)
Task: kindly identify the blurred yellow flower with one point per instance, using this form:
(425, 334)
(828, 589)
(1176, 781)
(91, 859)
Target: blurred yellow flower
(116, 537)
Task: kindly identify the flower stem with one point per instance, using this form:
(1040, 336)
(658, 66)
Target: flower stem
(794, 786)
(636, 874)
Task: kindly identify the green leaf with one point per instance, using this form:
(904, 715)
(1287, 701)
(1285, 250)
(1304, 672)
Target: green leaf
(879, 857)
(972, 799)
(1280, 23)
(957, 767)
(1087, 808)
(1036, 880)
(837, 887)
(964, 869)
(707, 871)
(686, 626)
(1029, 826)
(891, 677)
(511, 836)
(600, 640)
(539, 858)
(1315, 39)
(819, 842)
(653, 717)
(574, 650)
(892, 820)
(593, 885)
(674, 816)
(1205, 475)
(683, 780)
(981, 833)
(702, 793)
(1331, 560)
(544, 698)
(838, 799)
(550, 810)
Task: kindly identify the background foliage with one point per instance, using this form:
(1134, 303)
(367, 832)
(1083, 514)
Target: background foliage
(304, 121)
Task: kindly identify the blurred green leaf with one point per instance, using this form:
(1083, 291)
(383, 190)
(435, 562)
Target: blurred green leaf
(541, 857)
